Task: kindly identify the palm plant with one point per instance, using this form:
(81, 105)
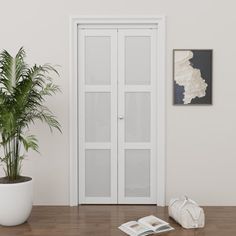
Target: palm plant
(23, 90)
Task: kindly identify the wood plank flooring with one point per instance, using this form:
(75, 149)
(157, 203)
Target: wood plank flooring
(103, 220)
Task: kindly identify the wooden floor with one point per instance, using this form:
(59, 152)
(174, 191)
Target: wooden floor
(103, 220)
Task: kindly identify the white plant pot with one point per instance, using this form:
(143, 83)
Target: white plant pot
(15, 203)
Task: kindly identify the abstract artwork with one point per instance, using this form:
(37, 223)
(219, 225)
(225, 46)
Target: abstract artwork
(192, 75)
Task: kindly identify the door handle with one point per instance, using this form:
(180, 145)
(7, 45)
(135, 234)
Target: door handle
(121, 117)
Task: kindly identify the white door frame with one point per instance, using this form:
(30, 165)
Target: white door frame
(75, 22)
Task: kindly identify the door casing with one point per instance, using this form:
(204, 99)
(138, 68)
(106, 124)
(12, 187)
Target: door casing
(119, 22)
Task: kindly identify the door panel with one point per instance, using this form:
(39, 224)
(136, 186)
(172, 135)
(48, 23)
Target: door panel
(136, 106)
(137, 173)
(137, 117)
(137, 59)
(97, 60)
(97, 173)
(97, 116)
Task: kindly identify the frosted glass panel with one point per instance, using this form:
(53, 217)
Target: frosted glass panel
(137, 60)
(98, 173)
(97, 117)
(137, 117)
(97, 60)
(137, 173)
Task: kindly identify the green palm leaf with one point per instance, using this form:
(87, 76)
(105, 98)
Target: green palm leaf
(23, 91)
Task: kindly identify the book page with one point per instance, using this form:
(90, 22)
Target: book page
(134, 228)
(152, 222)
(164, 228)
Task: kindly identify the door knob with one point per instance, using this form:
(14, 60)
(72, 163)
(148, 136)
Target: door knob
(121, 117)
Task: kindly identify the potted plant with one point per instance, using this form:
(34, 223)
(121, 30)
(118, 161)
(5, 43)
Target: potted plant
(23, 90)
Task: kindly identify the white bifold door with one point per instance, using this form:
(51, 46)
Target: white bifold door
(117, 116)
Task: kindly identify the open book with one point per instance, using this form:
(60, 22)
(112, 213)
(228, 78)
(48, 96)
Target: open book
(145, 226)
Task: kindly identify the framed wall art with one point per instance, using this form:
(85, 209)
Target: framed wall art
(192, 76)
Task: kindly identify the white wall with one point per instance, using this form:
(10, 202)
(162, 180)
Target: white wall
(201, 140)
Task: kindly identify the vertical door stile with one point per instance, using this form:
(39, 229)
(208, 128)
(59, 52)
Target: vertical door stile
(114, 128)
(81, 144)
(121, 115)
(154, 115)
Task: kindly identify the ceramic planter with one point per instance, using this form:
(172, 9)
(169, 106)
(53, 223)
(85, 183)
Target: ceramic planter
(15, 203)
